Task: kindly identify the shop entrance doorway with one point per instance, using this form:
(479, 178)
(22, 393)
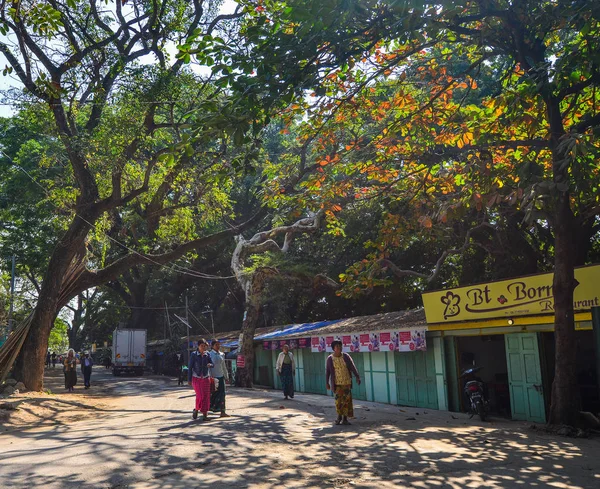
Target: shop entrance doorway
(488, 352)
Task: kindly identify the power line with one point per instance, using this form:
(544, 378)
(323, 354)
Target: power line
(174, 267)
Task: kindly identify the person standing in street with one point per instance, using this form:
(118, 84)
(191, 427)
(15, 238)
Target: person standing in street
(199, 378)
(338, 375)
(179, 363)
(220, 374)
(286, 367)
(86, 369)
(48, 359)
(53, 358)
(70, 370)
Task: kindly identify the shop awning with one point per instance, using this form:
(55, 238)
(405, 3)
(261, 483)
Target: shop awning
(295, 329)
(292, 329)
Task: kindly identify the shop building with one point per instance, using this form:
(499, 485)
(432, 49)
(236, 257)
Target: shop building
(416, 357)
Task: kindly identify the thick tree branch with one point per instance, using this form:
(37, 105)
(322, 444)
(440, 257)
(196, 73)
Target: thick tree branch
(429, 277)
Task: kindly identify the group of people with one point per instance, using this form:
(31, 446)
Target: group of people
(70, 369)
(339, 370)
(207, 374)
(52, 359)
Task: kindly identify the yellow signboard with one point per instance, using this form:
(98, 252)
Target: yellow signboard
(515, 297)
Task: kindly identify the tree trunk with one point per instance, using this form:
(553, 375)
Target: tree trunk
(564, 406)
(564, 403)
(245, 376)
(29, 368)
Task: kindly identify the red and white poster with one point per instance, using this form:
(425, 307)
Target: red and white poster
(241, 361)
(317, 344)
(323, 343)
(304, 343)
(347, 343)
(408, 340)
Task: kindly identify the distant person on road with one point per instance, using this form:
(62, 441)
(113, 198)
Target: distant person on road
(70, 370)
(338, 375)
(179, 363)
(48, 359)
(220, 374)
(286, 368)
(53, 357)
(86, 368)
(107, 362)
(199, 378)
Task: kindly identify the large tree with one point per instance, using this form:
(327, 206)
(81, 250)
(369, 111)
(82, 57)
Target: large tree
(535, 131)
(78, 58)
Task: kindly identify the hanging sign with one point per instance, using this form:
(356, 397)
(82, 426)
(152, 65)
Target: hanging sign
(240, 361)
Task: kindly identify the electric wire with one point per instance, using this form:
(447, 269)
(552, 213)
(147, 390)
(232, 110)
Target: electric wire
(173, 268)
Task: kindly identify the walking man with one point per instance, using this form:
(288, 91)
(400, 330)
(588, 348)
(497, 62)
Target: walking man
(286, 368)
(220, 374)
(48, 359)
(53, 357)
(86, 368)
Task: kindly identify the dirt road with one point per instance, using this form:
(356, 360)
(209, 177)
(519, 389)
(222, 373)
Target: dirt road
(138, 433)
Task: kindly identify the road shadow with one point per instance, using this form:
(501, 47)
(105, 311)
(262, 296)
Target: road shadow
(270, 442)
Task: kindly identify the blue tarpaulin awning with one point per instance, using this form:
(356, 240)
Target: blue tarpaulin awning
(295, 329)
(292, 329)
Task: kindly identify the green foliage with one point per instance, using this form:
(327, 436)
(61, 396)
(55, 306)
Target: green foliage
(59, 340)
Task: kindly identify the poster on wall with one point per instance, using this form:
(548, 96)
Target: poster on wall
(347, 343)
(317, 344)
(275, 345)
(293, 344)
(323, 343)
(403, 340)
(411, 340)
(369, 342)
(266, 345)
(303, 342)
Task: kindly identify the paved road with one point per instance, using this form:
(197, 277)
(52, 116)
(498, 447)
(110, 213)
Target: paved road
(145, 438)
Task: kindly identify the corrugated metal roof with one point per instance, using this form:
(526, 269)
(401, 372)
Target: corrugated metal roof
(412, 318)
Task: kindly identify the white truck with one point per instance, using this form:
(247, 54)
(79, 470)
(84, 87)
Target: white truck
(129, 351)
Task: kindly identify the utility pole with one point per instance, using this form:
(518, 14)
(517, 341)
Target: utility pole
(12, 294)
(168, 322)
(165, 322)
(187, 319)
(212, 322)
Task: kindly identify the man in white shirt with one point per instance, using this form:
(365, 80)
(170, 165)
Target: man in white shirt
(86, 368)
(220, 375)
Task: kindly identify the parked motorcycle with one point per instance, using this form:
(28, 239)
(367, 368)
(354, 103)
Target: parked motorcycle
(476, 393)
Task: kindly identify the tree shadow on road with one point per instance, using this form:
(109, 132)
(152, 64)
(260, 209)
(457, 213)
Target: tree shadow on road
(298, 446)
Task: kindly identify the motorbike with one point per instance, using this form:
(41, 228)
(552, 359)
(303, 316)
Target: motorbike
(475, 392)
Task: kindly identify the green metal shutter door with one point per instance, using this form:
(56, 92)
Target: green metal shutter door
(525, 377)
(359, 391)
(314, 372)
(416, 379)
(452, 373)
